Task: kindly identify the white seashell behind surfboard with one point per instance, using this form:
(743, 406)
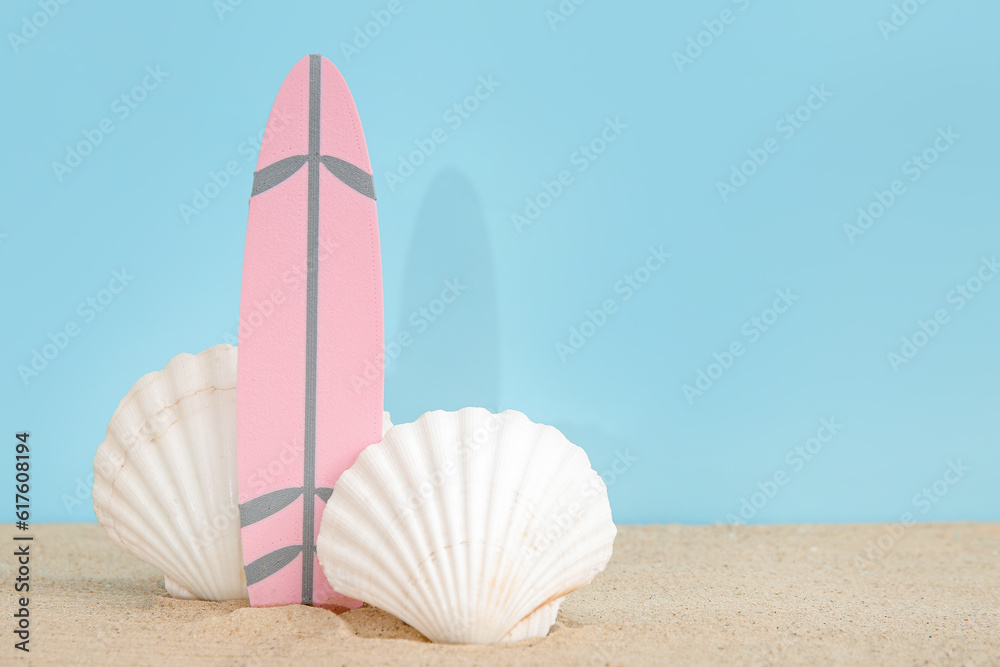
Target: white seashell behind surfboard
(165, 476)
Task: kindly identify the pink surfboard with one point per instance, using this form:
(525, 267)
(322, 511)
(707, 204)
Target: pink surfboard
(310, 325)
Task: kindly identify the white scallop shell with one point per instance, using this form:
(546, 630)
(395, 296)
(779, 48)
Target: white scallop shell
(165, 477)
(469, 526)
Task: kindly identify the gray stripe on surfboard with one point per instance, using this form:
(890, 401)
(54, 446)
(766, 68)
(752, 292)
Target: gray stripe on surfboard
(312, 302)
(266, 565)
(261, 507)
(276, 173)
(264, 506)
(350, 175)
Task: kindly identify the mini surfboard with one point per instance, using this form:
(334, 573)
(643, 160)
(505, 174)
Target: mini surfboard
(310, 327)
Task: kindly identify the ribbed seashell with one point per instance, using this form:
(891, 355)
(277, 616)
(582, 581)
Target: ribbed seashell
(469, 526)
(165, 477)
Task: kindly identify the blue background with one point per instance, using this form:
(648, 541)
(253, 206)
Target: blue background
(620, 395)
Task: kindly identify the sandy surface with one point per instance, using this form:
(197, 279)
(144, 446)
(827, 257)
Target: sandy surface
(766, 595)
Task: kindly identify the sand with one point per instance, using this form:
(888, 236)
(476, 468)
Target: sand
(682, 595)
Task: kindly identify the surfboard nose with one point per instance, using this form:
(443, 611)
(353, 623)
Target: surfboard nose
(314, 80)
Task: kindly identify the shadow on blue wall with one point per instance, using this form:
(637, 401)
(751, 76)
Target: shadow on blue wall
(443, 350)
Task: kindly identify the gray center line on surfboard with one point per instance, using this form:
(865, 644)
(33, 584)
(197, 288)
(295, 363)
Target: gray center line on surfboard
(312, 299)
